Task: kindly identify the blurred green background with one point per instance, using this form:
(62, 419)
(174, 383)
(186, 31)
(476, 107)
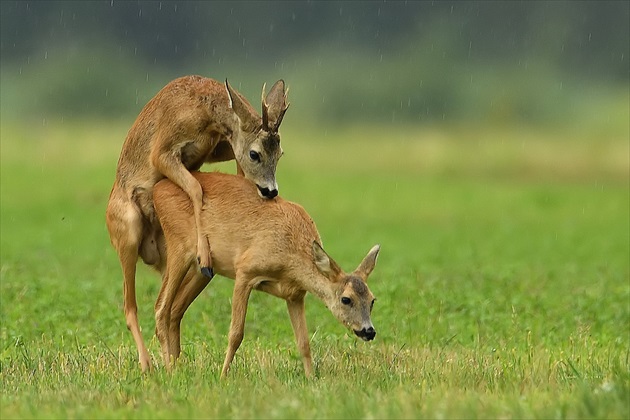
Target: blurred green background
(552, 63)
(484, 145)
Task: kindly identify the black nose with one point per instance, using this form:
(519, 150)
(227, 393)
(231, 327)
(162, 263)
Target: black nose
(366, 334)
(370, 333)
(267, 193)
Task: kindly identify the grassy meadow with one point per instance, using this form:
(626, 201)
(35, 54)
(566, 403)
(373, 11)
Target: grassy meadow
(502, 284)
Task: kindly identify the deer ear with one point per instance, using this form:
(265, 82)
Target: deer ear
(367, 265)
(242, 108)
(274, 105)
(324, 263)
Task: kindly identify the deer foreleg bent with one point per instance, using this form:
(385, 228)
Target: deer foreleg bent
(170, 165)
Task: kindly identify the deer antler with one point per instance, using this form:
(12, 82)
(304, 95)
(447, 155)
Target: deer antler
(265, 109)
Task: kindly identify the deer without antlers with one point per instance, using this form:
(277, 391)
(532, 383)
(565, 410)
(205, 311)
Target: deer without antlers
(268, 245)
(192, 120)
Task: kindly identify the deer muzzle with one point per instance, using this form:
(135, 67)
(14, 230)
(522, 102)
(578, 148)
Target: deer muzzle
(366, 334)
(266, 192)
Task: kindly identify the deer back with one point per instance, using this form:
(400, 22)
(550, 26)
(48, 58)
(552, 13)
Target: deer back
(243, 228)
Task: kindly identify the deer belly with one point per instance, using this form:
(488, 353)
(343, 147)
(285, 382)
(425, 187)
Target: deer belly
(193, 154)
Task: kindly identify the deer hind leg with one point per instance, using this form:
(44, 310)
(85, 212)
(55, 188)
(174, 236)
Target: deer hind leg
(191, 287)
(151, 229)
(240, 297)
(176, 269)
(170, 166)
(124, 222)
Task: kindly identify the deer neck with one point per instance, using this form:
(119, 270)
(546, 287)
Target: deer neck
(232, 128)
(318, 285)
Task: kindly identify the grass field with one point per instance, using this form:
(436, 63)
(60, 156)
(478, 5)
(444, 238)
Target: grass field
(502, 284)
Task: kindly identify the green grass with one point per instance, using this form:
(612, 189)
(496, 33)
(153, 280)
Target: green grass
(502, 284)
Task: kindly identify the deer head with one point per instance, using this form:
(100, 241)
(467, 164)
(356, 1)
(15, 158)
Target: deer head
(256, 141)
(351, 301)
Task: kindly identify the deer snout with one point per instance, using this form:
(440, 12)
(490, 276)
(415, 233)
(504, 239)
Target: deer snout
(366, 334)
(266, 192)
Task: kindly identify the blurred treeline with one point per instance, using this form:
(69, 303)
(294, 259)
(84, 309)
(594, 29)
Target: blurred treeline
(401, 62)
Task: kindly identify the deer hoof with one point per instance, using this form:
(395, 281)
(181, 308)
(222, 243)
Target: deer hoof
(207, 271)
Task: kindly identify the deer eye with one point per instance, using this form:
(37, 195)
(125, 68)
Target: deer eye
(346, 300)
(253, 155)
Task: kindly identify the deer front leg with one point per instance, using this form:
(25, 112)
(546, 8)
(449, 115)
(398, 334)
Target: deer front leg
(170, 165)
(298, 321)
(240, 297)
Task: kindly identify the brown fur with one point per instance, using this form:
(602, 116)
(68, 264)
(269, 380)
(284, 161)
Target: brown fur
(268, 245)
(192, 120)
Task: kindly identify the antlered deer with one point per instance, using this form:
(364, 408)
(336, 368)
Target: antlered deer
(192, 120)
(268, 245)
